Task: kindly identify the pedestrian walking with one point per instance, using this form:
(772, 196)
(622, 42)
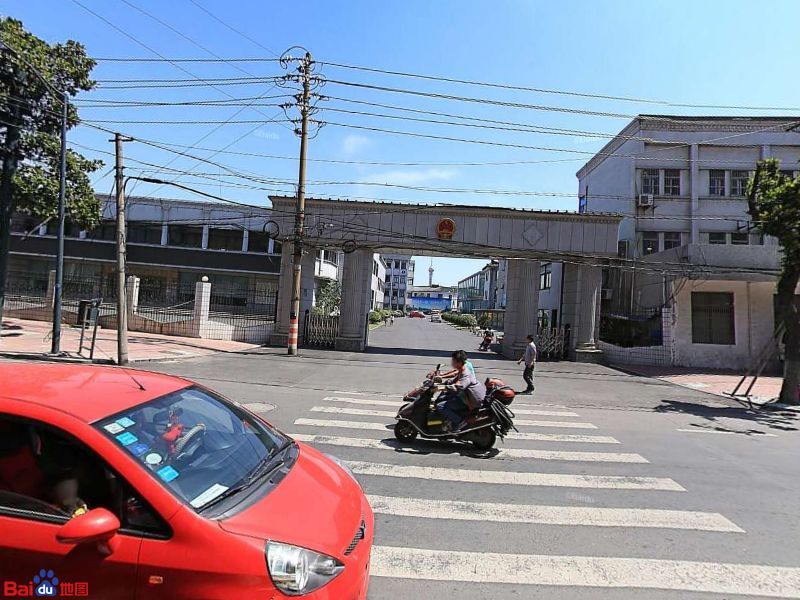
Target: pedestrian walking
(529, 358)
(391, 321)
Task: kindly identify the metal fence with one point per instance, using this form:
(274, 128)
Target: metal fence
(552, 343)
(642, 337)
(319, 330)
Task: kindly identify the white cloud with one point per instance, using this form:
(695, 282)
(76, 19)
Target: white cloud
(352, 144)
(411, 176)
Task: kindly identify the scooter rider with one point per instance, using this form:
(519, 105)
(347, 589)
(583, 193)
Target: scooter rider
(464, 391)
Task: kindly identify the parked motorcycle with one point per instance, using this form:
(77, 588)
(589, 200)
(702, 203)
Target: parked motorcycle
(419, 417)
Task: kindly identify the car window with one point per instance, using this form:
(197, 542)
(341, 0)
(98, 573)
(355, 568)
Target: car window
(194, 443)
(46, 474)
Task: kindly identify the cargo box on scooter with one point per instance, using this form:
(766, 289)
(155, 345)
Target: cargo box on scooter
(497, 388)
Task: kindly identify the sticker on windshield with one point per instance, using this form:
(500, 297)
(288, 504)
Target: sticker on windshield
(138, 449)
(207, 496)
(154, 458)
(167, 473)
(126, 422)
(113, 428)
(127, 438)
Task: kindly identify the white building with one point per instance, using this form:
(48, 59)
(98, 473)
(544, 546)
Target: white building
(398, 281)
(378, 281)
(686, 244)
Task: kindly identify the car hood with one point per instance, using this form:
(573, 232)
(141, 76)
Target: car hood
(316, 506)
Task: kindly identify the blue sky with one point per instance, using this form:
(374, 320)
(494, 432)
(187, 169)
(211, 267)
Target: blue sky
(734, 52)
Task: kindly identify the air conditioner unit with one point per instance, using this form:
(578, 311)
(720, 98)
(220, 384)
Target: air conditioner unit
(606, 294)
(645, 201)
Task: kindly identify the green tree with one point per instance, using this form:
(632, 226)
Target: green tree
(329, 297)
(774, 203)
(32, 75)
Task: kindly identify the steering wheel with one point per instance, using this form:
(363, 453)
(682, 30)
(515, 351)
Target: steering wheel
(190, 443)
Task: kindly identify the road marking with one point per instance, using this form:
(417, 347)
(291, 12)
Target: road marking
(541, 413)
(552, 515)
(615, 482)
(585, 571)
(748, 433)
(392, 444)
(525, 436)
(366, 412)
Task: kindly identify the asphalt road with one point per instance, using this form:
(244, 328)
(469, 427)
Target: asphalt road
(617, 487)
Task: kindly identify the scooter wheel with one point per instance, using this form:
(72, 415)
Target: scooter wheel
(405, 431)
(484, 438)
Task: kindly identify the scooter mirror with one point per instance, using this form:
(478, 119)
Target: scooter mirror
(438, 367)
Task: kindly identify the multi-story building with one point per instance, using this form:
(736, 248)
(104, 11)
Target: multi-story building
(398, 281)
(696, 278)
(378, 281)
(171, 244)
(479, 290)
(437, 297)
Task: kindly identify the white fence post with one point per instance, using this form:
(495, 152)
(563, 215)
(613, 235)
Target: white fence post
(132, 292)
(202, 302)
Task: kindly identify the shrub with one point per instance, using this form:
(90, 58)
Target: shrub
(460, 320)
(375, 316)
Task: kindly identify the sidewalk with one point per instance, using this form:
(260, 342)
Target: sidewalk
(22, 338)
(720, 383)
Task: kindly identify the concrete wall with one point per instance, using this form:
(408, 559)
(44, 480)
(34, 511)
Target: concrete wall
(754, 323)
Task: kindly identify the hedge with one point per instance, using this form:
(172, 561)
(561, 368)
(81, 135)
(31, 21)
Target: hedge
(378, 316)
(460, 320)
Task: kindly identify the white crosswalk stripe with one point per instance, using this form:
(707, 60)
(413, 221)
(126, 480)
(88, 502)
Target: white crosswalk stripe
(618, 482)
(531, 437)
(552, 515)
(391, 444)
(397, 405)
(585, 571)
(421, 465)
(366, 412)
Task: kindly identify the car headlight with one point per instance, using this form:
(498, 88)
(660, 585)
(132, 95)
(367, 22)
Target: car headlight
(296, 571)
(344, 467)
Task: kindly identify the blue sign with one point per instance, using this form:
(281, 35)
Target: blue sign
(167, 473)
(127, 438)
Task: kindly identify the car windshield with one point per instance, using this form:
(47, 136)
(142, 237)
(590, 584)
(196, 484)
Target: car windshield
(197, 444)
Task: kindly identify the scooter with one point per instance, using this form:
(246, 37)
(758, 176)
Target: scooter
(418, 415)
(488, 337)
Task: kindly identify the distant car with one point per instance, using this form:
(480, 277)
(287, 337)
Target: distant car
(436, 317)
(399, 313)
(141, 485)
(417, 313)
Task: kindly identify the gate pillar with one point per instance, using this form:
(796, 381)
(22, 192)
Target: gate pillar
(522, 305)
(356, 294)
(581, 310)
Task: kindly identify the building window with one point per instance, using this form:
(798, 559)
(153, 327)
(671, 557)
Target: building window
(739, 182)
(672, 239)
(225, 239)
(582, 204)
(184, 235)
(740, 239)
(716, 237)
(649, 242)
(672, 182)
(716, 182)
(144, 234)
(650, 181)
(713, 318)
(546, 276)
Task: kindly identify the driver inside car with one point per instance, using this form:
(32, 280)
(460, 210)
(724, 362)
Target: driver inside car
(464, 394)
(64, 494)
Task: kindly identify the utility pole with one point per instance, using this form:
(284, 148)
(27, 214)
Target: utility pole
(55, 347)
(300, 213)
(122, 300)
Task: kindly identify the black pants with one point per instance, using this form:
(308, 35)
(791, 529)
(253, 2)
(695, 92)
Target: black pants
(527, 375)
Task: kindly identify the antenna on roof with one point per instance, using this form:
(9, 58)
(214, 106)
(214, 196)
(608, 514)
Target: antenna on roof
(136, 381)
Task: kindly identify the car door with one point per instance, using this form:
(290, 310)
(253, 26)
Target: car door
(30, 554)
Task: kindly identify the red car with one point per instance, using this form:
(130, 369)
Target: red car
(417, 313)
(126, 484)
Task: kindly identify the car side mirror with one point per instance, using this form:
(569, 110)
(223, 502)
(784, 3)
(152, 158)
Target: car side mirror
(98, 526)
